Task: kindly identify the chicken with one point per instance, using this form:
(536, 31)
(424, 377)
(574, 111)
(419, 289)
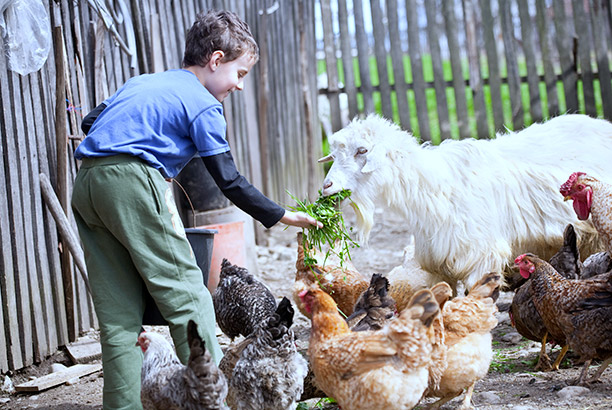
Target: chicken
(468, 322)
(384, 369)
(342, 281)
(241, 301)
(374, 307)
(596, 264)
(523, 313)
(345, 283)
(442, 292)
(579, 309)
(591, 197)
(270, 371)
(168, 384)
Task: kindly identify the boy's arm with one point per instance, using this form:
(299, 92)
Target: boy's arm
(240, 191)
(91, 117)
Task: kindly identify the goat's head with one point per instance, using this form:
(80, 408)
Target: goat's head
(357, 151)
(362, 157)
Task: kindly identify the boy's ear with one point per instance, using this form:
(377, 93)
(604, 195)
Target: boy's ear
(216, 59)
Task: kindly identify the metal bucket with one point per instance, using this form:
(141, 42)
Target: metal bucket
(201, 241)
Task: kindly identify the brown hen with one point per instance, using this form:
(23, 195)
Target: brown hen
(523, 313)
(579, 309)
(385, 369)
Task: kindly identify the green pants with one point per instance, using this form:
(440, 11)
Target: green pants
(133, 238)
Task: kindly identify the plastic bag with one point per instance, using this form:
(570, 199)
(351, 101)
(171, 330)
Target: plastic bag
(26, 29)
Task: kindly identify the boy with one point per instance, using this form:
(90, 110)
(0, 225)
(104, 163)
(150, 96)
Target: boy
(131, 231)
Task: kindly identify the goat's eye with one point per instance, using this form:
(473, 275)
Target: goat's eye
(361, 150)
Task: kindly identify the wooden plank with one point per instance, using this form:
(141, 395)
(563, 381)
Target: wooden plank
(433, 36)
(42, 258)
(29, 209)
(363, 57)
(24, 312)
(141, 29)
(331, 65)
(416, 66)
(452, 36)
(583, 36)
(533, 79)
(380, 51)
(566, 48)
(476, 83)
(514, 81)
(347, 59)
(57, 378)
(84, 350)
(599, 25)
(47, 162)
(550, 78)
(493, 64)
(11, 341)
(397, 62)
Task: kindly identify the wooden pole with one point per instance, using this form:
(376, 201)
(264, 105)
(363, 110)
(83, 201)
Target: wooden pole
(61, 137)
(66, 232)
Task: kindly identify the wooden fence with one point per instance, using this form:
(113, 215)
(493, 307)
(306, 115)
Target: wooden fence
(466, 68)
(272, 128)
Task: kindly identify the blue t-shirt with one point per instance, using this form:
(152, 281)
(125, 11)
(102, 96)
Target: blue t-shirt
(163, 118)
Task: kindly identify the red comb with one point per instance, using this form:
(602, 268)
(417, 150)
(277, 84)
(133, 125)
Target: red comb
(567, 186)
(519, 258)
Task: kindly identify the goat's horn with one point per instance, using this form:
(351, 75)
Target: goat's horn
(326, 158)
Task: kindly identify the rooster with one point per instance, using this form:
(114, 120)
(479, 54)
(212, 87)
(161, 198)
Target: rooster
(580, 309)
(241, 301)
(468, 322)
(591, 197)
(269, 373)
(168, 384)
(385, 369)
(374, 307)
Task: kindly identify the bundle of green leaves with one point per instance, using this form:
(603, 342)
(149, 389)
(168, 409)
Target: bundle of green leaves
(333, 233)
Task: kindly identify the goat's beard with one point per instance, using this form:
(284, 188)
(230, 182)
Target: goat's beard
(364, 210)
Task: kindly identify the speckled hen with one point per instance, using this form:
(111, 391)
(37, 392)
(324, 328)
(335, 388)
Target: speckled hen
(242, 303)
(269, 373)
(167, 384)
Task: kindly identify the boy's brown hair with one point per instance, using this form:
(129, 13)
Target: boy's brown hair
(218, 30)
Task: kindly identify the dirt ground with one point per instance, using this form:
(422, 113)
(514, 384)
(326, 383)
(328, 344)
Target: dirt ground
(511, 383)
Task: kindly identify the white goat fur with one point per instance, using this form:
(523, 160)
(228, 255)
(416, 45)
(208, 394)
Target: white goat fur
(472, 205)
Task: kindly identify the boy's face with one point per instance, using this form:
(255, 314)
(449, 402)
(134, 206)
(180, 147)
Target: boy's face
(227, 77)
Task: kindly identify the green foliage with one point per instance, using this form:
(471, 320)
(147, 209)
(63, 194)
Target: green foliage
(333, 233)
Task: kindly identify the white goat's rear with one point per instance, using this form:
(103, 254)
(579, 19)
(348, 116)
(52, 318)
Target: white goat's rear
(472, 205)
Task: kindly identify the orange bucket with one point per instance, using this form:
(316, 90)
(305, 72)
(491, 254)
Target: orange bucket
(229, 243)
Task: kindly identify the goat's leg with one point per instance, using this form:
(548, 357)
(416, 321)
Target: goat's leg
(560, 357)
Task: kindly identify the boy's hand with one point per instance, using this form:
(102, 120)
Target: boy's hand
(300, 219)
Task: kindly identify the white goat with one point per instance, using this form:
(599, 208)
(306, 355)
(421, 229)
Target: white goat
(472, 205)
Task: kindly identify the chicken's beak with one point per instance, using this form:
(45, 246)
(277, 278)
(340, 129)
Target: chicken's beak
(567, 198)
